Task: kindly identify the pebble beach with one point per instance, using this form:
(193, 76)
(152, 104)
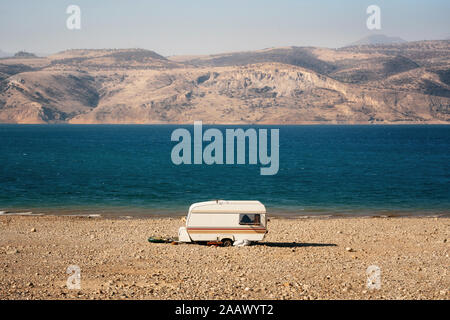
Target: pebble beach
(300, 258)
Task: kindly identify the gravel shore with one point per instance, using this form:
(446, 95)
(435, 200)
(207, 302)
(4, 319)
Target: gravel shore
(309, 258)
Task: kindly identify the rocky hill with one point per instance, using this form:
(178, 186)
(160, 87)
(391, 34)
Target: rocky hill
(386, 83)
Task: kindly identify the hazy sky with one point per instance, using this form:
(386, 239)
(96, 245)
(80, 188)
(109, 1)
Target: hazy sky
(200, 27)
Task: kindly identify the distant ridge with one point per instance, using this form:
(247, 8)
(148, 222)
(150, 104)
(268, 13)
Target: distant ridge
(375, 39)
(24, 54)
(127, 54)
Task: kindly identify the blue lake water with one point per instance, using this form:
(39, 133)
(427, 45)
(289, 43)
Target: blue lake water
(127, 170)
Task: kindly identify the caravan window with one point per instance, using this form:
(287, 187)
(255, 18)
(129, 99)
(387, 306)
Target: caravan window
(246, 218)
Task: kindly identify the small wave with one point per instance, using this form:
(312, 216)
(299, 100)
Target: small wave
(29, 213)
(80, 215)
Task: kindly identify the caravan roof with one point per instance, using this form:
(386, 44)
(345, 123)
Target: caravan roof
(224, 206)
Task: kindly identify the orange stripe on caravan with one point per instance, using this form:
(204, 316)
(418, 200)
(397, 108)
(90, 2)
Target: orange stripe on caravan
(219, 230)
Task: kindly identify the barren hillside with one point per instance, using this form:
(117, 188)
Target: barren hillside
(397, 83)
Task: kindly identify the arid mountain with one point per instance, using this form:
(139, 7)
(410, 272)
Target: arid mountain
(24, 54)
(375, 39)
(395, 83)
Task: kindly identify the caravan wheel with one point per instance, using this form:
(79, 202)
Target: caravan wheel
(227, 242)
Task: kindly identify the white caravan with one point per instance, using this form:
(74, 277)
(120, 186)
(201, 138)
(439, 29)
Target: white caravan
(225, 221)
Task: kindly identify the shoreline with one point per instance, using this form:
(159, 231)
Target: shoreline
(139, 212)
(146, 214)
(273, 215)
(299, 259)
